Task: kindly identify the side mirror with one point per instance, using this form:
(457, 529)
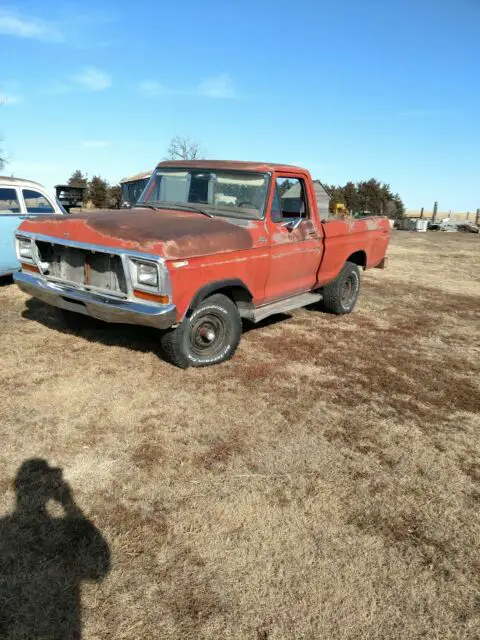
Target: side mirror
(292, 224)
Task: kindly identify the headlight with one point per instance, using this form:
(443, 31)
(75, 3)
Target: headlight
(25, 248)
(147, 273)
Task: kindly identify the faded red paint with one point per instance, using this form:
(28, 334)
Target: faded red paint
(171, 234)
(271, 260)
(346, 237)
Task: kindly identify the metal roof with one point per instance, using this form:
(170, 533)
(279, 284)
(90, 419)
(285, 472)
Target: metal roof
(294, 191)
(322, 197)
(137, 176)
(71, 186)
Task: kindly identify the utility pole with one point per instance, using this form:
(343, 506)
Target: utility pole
(435, 210)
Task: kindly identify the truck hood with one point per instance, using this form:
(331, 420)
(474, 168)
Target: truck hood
(171, 234)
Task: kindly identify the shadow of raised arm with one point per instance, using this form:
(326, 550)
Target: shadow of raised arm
(44, 559)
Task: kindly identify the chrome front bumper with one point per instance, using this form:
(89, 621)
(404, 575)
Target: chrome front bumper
(161, 316)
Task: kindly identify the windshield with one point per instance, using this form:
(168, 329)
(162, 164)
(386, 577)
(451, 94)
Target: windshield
(239, 194)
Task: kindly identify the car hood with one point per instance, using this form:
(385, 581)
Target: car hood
(171, 234)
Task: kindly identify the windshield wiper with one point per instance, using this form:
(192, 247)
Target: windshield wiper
(181, 206)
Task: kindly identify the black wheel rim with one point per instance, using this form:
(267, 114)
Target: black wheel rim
(208, 335)
(349, 291)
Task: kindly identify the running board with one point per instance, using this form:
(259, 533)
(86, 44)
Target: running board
(281, 306)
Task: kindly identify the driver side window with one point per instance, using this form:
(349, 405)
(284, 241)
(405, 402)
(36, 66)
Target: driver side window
(289, 200)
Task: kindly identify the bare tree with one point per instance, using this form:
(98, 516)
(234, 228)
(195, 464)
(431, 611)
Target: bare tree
(181, 148)
(3, 160)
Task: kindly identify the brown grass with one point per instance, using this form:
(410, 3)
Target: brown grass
(322, 484)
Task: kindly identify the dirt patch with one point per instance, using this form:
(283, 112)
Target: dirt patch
(219, 451)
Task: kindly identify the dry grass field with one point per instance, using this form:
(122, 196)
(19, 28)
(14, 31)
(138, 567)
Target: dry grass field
(324, 484)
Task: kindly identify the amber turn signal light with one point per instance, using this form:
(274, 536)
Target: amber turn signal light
(30, 267)
(152, 297)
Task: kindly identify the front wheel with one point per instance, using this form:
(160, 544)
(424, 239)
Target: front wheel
(208, 335)
(341, 295)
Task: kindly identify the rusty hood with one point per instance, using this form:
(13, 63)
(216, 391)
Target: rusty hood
(171, 234)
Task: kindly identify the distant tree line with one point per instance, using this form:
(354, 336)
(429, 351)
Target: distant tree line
(99, 192)
(367, 195)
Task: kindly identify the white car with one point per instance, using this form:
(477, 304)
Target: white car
(20, 198)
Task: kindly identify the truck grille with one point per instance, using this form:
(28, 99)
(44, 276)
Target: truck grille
(90, 269)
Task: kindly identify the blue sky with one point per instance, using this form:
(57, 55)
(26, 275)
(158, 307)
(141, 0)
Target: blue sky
(350, 89)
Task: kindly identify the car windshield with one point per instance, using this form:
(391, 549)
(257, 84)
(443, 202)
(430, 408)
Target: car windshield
(240, 194)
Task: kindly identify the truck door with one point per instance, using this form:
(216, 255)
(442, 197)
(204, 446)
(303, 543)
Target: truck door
(295, 243)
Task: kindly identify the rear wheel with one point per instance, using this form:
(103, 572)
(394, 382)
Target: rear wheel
(341, 295)
(208, 335)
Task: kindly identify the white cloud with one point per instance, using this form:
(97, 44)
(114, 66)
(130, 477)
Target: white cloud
(93, 79)
(16, 25)
(154, 88)
(7, 99)
(90, 79)
(220, 86)
(95, 144)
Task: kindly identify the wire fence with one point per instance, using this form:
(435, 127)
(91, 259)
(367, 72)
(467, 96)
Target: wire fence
(455, 216)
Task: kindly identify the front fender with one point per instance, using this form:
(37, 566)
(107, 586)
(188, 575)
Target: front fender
(218, 286)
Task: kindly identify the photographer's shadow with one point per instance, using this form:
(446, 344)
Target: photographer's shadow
(44, 559)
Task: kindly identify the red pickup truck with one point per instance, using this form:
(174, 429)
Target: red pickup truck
(209, 243)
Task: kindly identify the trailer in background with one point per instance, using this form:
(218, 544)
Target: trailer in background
(70, 195)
